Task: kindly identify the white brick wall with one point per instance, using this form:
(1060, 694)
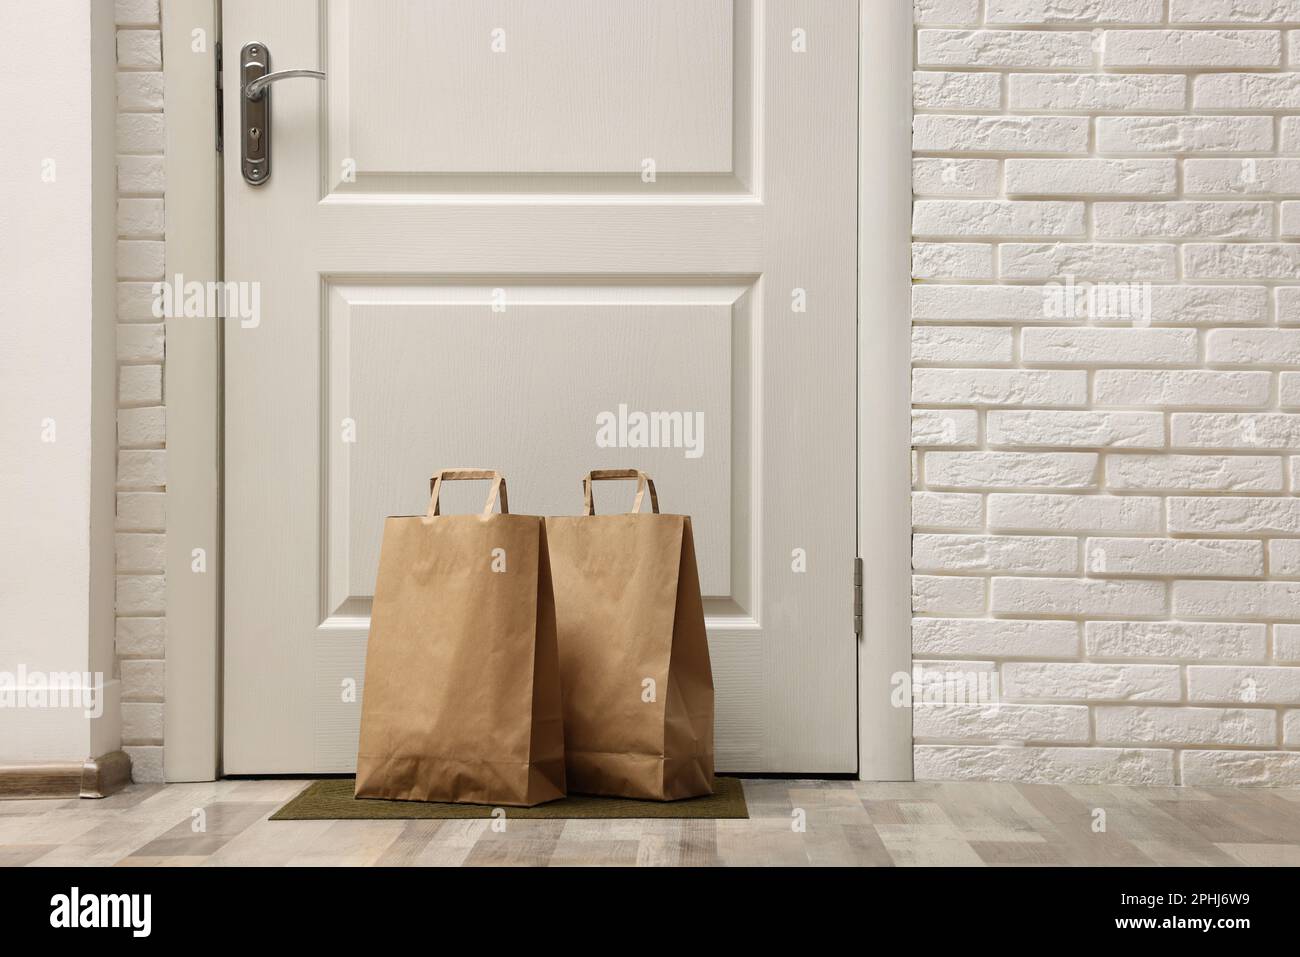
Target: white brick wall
(141, 417)
(1104, 511)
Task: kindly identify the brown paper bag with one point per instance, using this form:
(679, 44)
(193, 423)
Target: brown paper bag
(634, 657)
(462, 693)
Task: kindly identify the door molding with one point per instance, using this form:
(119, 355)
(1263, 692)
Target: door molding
(194, 397)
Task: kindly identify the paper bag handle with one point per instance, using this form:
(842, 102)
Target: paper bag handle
(498, 489)
(643, 482)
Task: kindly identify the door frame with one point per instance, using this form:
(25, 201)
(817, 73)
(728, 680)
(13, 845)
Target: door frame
(193, 247)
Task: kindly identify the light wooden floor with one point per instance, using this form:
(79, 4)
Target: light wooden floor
(846, 822)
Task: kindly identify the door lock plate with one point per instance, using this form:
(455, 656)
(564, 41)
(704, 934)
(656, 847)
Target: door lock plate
(254, 116)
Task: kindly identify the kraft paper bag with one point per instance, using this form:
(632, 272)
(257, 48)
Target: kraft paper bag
(462, 692)
(634, 657)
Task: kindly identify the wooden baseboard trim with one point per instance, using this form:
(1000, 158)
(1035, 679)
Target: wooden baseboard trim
(92, 778)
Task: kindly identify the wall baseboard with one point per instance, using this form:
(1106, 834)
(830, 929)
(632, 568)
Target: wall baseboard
(92, 778)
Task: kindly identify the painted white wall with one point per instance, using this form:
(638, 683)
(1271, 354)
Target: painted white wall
(57, 367)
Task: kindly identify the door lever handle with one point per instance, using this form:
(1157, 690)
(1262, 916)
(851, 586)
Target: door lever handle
(255, 79)
(255, 88)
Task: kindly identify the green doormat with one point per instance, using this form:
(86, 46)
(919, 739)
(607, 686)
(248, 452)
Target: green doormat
(332, 800)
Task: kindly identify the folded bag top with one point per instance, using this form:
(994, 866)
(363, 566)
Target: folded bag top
(462, 698)
(634, 657)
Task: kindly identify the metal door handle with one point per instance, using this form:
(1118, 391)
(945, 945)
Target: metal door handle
(255, 79)
(254, 89)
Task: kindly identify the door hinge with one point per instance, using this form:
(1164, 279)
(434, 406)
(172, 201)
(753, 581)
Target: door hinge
(217, 58)
(857, 596)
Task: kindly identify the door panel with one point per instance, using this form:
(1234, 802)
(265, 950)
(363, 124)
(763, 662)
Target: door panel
(462, 261)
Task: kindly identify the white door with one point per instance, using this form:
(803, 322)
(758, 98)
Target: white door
(496, 234)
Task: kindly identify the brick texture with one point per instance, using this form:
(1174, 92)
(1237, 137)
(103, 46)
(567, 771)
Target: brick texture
(141, 419)
(1106, 390)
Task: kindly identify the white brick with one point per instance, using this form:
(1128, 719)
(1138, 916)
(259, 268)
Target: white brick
(964, 261)
(136, 13)
(146, 761)
(1235, 430)
(1191, 557)
(141, 511)
(142, 722)
(1174, 639)
(936, 90)
(1207, 305)
(1248, 684)
(141, 427)
(961, 344)
(1088, 681)
(141, 637)
(1214, 473)
(1238, 261)
(1247, 91)
(140, 342)
(1074, 470)
(1183, 220)
(1068, 177)
(1291, 729)
(1288, 388)
(139, 92)
(1108, 261)
(139, 385)
(1184, 134)
(1240, 768)
(1037, 428)
(1093, 92)
(1288, 305)
(1289, 141)
(1003, 48)
(1074, 11)
(140, 553)
(141, 133)
(994, 638)
(140, 259)
(1000, 134)
(994, 553)
(141, 468)
(1234, 515)
(140, 218)
(1254, 347)
(137, 175)
(1127, 766)
(141, 595)
(950, 176)
(139, 49)
(1290, 220)
(983, 387)
(1222, 726)
(1286, 643)
(981, 303)
(947, 510)
(1066, 724)
(1232, 600)
(1217, 49)
(1252, 176)
(1284, 558)
(1234, 11)
(1076, 345)
(947, 595)
(1076, 596)
(946, 11)
(1182, 387)
(1074, 513)
(143, 680)
(946, 427)
(985, 217)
